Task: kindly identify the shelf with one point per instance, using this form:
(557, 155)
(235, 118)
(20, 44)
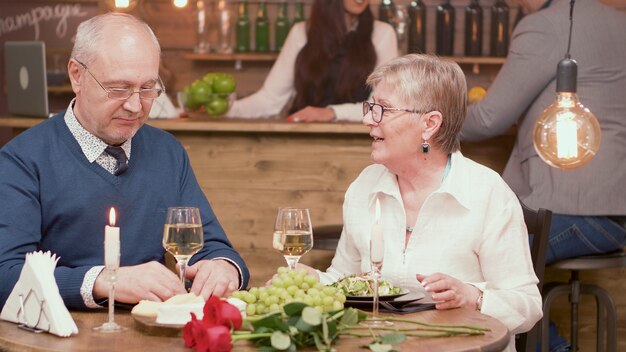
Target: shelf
(66, 88)
(480, 60)
(232, 57)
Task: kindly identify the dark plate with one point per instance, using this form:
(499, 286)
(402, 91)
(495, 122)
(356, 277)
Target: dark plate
(398, 302)
(381, 298)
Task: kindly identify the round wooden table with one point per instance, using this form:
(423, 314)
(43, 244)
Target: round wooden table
(14, 339)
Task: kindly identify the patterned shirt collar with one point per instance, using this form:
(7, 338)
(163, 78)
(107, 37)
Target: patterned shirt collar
(91, 145)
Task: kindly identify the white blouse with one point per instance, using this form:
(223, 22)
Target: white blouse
(278, 89)
(471, 228)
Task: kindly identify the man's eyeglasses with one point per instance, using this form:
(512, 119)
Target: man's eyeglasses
(125, 93)
(378, 110)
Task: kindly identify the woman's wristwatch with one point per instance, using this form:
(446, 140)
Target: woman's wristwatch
(479, 301)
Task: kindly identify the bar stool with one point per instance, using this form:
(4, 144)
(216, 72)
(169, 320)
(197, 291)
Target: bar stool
(606, 312)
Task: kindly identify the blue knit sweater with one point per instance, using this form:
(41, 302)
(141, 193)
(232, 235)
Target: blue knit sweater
(52, 198)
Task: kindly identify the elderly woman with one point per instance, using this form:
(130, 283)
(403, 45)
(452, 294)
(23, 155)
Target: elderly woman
(452, 227)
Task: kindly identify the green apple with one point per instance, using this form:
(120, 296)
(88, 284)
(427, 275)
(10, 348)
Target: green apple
(224, 83)
(210, 78)
(217, 106)
(200, 92)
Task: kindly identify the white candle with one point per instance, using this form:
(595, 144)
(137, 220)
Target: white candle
(377, 242)
(111, 243)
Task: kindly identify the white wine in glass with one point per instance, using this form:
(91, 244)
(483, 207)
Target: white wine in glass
(293, 236)
(183, 235)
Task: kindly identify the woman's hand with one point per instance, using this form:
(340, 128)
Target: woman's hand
(449, 292)
(312, 113)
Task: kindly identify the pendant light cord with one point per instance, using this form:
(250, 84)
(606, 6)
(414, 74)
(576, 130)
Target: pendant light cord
(571, 25)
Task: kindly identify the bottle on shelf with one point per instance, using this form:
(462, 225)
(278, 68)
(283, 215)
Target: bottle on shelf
(202, 22)
(417, 27)
(298, 12)
(473, 29)
(243, 28)
(225, 28)
(499, 38)
(445, 29)
(281, 26)
(262, 30)
(386, 11)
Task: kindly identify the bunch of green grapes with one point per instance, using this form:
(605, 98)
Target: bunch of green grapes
(291, 286)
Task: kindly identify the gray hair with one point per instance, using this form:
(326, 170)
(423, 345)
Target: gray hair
(428, 83)
(92, 32)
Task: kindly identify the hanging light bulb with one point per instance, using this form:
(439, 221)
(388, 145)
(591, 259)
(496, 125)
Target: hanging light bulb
(180, 3)
(121, 5)
(567, 135)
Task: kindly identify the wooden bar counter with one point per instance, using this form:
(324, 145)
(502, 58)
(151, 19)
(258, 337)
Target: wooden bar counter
(14, 339)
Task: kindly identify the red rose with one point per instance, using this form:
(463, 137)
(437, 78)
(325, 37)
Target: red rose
(214, 339)
(219, 312)
(212, 333)
(193, 331)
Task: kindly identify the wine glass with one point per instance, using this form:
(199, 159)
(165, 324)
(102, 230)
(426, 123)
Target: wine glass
(292, 234)
(183, 235)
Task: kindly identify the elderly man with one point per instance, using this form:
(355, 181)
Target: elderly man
(59, 179)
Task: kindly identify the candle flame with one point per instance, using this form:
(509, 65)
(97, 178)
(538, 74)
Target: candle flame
(112, 217)
(377, 211)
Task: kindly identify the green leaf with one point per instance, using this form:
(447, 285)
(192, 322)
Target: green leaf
(392, 338)
(319, 344)
(311, 316)
(325, 336)
(350, 317)
(271, 322)
(379, 347)
(294, 308)
(280, 340)
(303, 326)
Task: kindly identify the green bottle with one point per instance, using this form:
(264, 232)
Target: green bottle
(262, 30)
(281, 26)
(243, 28)
(386, 11)
(299, 12)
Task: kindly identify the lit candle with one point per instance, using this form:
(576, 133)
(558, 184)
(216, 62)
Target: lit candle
(377, 242)
(111, 243)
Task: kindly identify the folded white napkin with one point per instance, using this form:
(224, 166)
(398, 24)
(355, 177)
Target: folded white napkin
(163, 108)
(35, 300)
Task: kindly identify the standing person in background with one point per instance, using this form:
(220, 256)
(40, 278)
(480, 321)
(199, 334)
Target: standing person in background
(59, 179)
(323, 65)
(588, 204)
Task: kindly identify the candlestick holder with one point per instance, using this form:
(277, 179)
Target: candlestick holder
(376, 261)
(111, 325)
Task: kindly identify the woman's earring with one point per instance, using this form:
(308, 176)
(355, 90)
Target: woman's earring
(425, 147)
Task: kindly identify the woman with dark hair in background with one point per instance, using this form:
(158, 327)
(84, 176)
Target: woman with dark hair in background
(323, 65)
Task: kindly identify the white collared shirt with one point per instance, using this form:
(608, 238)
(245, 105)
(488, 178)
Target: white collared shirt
(471, 228)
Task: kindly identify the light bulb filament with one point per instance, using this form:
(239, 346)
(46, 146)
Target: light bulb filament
(566, 138)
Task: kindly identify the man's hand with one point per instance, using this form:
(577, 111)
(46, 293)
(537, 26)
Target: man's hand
(213, 277)
(311, 114)
(151, 281)
(449, 292)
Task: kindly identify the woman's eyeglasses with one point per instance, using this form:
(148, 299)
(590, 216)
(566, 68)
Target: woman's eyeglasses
(378, 110)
